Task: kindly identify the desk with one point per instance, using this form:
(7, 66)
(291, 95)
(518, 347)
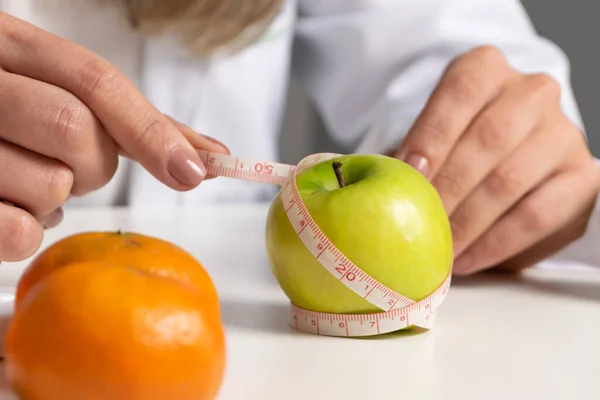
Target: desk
(536, 336)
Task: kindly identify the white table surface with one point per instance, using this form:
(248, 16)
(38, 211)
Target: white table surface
(496, 337)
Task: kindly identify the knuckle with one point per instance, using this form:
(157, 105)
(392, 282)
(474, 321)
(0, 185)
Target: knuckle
(545, 84)
(567, 136)
(97, 75)
(149, 131)
(493, 245)
(466, 75)
(503, 183)
(19, 238)
(478, 55)
(66, 127)
(533, 218)
(100, 177)
(462, 85)
(434, 140)
(7, 27)
(60, 182)
(448, 184)
(107, 172)
(5, 19)
(493, 132)
(593, 174)
(489, 54)
(458, 225)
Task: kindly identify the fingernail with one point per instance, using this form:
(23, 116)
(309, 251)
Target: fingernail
(216, 142)
(54, 219)
(463, 263)
(185, 166)
(418, 162)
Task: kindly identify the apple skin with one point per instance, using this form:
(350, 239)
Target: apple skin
(388, 219)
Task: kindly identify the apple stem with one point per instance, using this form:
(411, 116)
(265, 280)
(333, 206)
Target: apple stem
(337, 168)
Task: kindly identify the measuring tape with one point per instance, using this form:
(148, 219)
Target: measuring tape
(398, 312)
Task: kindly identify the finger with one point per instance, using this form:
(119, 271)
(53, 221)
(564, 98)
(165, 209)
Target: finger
(200, 141)
(20, 234)
(135, 124)
(466, 87)
(496, 132)
(33, 182)
(546, 210)
(50, 121)
(549, 246)
(563, 237)
(53, 219)
(197, 140)
(509, 181)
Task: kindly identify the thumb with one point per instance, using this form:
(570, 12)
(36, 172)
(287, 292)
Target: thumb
(200, 141)
(197, 140)
(163, 144)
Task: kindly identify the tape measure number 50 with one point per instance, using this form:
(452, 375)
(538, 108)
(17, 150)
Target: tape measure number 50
(397, 311)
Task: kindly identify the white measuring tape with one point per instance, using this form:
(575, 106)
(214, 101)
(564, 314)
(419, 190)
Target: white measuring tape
(398, 312)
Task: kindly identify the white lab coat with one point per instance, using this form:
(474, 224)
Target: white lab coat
(368, 65)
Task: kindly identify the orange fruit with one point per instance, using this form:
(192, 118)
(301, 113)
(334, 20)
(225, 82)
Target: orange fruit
(147, 253)
(104, 330)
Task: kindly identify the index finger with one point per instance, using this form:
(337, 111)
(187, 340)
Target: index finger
(130, 119)
(467, 85)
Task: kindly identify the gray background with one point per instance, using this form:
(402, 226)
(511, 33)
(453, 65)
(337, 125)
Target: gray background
(569, 23)
(573, 25)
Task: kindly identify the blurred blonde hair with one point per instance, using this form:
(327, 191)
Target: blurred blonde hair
(204, 25)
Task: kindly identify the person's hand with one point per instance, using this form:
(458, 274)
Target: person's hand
(515, 175)
(65, 115)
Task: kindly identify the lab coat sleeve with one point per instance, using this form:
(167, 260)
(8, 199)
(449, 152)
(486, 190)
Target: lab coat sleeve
(369, 67)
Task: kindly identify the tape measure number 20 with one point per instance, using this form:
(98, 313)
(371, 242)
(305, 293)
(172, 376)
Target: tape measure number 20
(397, 311)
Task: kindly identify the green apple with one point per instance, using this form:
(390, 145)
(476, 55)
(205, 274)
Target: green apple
(381, 213)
